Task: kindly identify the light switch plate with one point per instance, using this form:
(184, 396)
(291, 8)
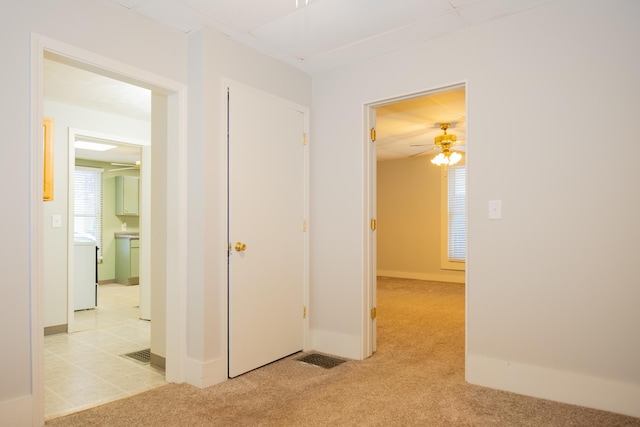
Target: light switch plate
(56, 221)
(495, 209)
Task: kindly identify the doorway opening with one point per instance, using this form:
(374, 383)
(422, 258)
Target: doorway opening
(116, 262)
(408, 193)
(104, 319)
(167, 100)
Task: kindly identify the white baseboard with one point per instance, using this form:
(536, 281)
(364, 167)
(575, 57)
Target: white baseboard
(422, 276)
(206, 374)
(562, 386)
(336, 344)
(17, 412)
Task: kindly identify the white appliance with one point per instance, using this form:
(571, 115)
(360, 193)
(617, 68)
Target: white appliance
(85, 274)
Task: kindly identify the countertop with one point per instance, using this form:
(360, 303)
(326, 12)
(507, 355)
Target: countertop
(127, 235)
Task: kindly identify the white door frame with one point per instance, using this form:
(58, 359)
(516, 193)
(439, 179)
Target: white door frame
(369, 294)
(370, 252)
(176, 170)
(145, 214)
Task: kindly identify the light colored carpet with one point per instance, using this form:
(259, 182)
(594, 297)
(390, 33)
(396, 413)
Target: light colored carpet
(416, 378)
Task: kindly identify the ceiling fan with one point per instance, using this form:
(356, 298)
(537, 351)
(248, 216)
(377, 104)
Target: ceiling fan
(126, 166)
(447, 144)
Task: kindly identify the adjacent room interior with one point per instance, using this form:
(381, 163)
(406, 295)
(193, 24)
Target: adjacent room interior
(103, 305)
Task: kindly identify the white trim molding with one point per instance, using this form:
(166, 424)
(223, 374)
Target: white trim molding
(19, 412)
(554, 384)
(176, 92)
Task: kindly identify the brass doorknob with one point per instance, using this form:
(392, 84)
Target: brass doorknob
(240, 246)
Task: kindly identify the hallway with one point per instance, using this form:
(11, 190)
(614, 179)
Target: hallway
(416, 378)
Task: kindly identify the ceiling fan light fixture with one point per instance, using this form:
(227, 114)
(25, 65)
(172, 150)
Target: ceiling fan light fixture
(445, 138)
(445, 141)
(448, 159)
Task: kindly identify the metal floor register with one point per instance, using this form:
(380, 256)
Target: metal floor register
(142, 356)
(321, 360)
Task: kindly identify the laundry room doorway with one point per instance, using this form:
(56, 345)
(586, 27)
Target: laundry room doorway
(167, 99)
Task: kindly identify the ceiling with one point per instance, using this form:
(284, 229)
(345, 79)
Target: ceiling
(74, 86)
(400, 125)
(320, 35)
(311, 35)
(407, 128)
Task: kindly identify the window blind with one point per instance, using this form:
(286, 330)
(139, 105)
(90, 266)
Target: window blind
(457, 213)
(88, 205)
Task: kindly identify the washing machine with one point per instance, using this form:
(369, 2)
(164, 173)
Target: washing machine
(85, 274)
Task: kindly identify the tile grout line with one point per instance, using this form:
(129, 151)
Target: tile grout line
(148, 377)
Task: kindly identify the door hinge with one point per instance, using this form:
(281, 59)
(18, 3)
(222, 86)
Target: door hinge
(304, 226)
(304, 312)
(374, 224)
(373, 134)
(304, 139)
(374, 313)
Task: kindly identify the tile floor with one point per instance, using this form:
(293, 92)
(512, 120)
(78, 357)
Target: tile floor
(86, 368)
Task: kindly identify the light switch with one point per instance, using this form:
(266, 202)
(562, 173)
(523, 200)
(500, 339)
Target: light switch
(56, 221)
(495, 209)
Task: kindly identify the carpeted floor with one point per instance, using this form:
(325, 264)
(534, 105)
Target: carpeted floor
(416, 378)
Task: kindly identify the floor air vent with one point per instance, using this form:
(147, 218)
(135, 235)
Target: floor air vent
(142, 356)
(321, 360)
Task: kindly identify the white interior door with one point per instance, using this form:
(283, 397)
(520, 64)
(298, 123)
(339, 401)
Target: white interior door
(267, 242)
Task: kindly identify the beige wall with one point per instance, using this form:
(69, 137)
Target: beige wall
(409, 221)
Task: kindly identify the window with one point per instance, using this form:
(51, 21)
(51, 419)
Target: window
(454, 218)
(457, 233)
(88, 205)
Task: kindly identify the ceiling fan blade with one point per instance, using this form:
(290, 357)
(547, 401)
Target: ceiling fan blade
(122, 169)
(457, 142)
(422, 153)
(422, 145)
(122, 164)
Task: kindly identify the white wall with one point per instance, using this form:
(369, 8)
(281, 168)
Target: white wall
(55, 239)
(552, 104)
(96, 26)
(212, 59)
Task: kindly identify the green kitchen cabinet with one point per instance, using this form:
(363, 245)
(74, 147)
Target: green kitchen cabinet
(127, 260)
(134, 259)
(127, 195)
